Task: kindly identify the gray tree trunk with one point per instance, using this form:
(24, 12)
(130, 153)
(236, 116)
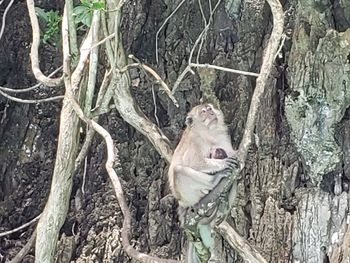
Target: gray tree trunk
(293, 201)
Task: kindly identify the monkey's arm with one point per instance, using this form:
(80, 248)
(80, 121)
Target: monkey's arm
(215, 166)
(192, 185)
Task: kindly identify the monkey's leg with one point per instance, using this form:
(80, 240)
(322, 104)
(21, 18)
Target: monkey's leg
(192, 185)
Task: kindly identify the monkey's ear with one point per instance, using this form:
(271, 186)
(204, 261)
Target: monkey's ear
(189, 121)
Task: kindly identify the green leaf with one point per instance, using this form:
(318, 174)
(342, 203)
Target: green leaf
(79, 10)
(41, 13)
(98, 6)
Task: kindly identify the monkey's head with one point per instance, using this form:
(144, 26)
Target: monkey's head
(205, 116)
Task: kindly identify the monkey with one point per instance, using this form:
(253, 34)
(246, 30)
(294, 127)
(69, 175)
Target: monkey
(218, 153)
(200, 161)
(203, 152)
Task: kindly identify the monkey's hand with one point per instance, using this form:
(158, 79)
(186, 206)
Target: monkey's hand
(232, 163)
(229, 164)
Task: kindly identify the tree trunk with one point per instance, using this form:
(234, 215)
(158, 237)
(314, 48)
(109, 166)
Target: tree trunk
(292, 201)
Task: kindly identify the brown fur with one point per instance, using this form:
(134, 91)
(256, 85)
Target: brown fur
(191, 173)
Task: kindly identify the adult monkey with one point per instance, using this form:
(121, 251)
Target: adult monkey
(202, 158)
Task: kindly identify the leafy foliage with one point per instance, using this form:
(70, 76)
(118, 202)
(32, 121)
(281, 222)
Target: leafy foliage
(52, 21)
(83, 13)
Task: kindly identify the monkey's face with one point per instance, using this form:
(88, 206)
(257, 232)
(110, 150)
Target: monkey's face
(208, 115)
(205, 115)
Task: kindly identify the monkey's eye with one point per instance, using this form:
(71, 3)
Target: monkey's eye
(203, 110)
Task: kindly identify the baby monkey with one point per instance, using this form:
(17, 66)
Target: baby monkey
(203, 156)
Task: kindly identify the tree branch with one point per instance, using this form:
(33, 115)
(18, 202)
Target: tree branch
(125, 103)
(267, 63)
(30, 101)
(11, 90)
(111, 157)
(56, 208)
(25, 250)
(244, 249)
(3, 23)
(34, 50)
(20, 227)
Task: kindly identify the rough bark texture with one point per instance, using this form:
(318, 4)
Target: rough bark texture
(292, 201)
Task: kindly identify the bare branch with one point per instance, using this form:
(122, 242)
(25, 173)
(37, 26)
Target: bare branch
(57, 205)
(116, 183)
(109, 50)
(267, 63)
(3, 24)
(156, 76)
(117, 186)
(30, 88)
(203, 35)
(71, 87)
(284, 37)
(200, 41)
(164, 23)
(34, 50)
(241, 72)
(73, 44)
(247, 252)
(25, 250)
(131, 113)
(30, 101)
(104, 40)
(20, 227)
(180, 78)
(93, 63)
(126, 105)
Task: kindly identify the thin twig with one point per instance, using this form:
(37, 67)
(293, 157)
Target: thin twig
(155, 105)
(203, 33)
(155, 75)
(103, 40)
(73, 42)
(200, 39)
(180, 78)
(30, 101)
(202, 12)
(241, 72)
(109, 50)
(85, 148)
(164, 23)
(20, 227)
(30, 88)
(84, 176)
(196, 65)
(206, 28)
(25, 250)
(34, 50)
(261, 81)
(284, 36)
(244, 249)
(4, 18)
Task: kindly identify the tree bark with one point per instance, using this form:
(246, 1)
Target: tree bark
(291, 202)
